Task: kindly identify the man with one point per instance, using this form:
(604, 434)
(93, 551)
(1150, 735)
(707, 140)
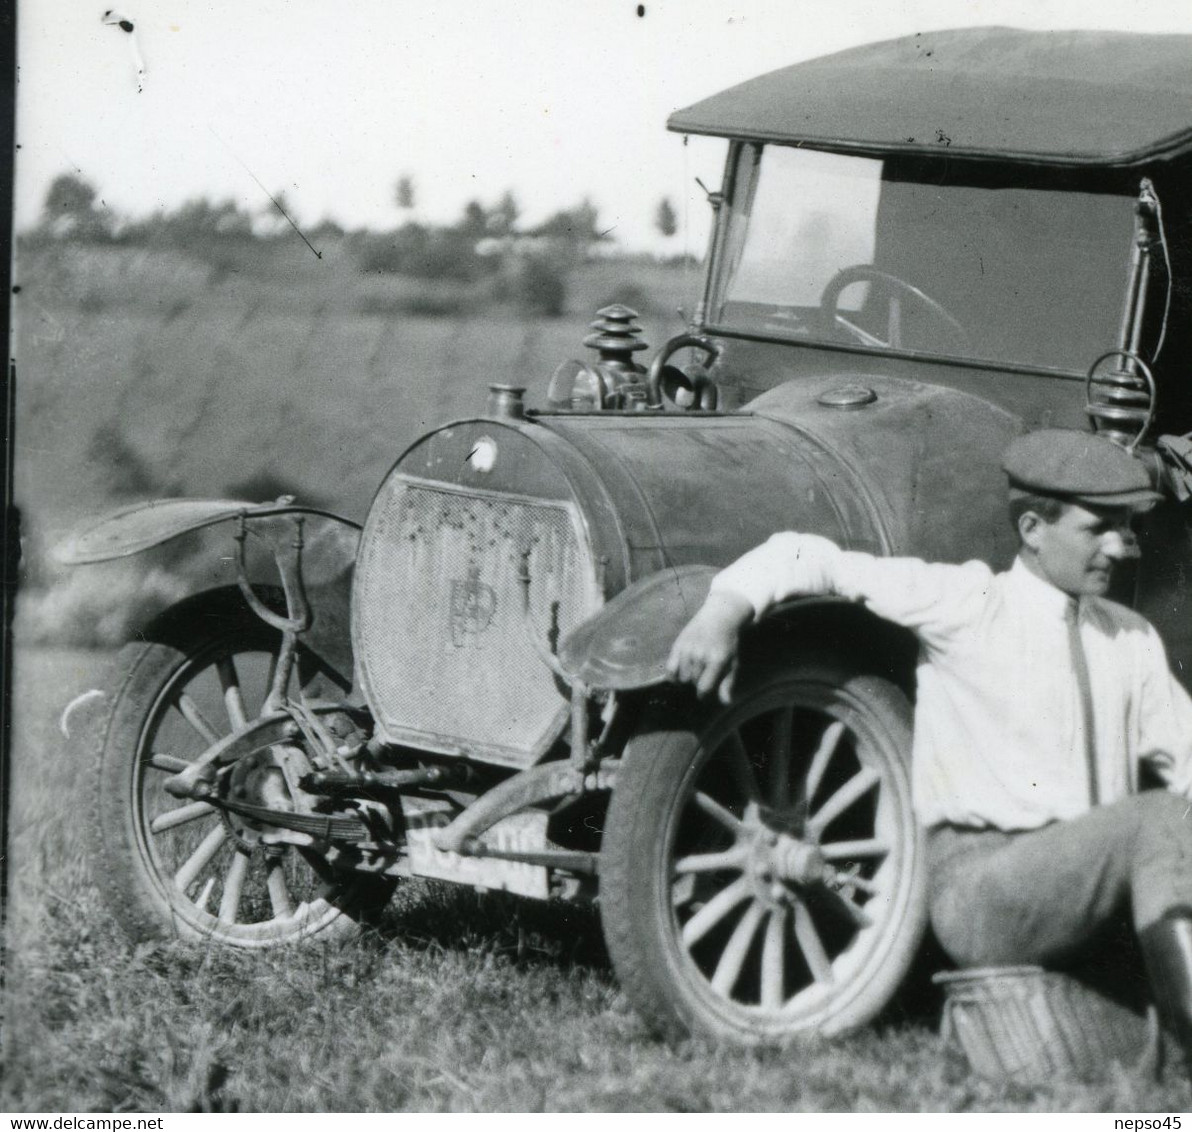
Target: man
(1038, 700)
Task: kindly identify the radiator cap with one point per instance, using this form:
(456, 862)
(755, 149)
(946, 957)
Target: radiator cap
(507, 402)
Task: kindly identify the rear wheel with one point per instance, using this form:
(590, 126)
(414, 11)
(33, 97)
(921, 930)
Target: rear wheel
(168, 866)
(761, 871)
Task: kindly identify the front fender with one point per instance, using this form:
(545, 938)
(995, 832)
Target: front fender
(197, 616)
(134, 529)
(625, 645)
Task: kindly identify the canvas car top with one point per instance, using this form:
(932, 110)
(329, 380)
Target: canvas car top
(1053, 97)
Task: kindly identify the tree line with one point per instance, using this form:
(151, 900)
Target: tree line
(73, 209)
(486, 254)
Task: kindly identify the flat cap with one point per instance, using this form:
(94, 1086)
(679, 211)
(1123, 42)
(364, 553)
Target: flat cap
(1079, 466)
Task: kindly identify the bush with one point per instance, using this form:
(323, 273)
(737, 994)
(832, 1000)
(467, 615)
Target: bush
(421, 304)
(540, 288)
(381, 257)
(424, 253)
(441, 304)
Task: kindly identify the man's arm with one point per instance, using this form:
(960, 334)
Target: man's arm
(934, 600)
(705, 653)
(1165, 719)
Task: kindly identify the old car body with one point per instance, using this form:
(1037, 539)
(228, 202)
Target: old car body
(921, 248)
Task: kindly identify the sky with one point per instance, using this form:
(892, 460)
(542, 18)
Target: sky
(555, 100)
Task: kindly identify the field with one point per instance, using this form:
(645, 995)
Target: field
(143, 374)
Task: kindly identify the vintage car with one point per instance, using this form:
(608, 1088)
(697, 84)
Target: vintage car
(921, 248)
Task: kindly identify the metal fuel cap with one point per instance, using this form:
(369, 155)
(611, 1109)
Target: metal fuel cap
(852, 396)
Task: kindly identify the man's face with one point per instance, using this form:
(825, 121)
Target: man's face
(1078, 551)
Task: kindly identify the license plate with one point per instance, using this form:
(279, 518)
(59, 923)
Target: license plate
(521, 833)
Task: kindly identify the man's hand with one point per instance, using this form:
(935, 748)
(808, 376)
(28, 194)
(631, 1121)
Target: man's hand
(705, 653)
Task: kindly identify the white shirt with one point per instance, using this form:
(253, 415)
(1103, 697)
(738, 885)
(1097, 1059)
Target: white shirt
(998, 723)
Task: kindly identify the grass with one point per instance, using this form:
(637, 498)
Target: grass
(455, 1002)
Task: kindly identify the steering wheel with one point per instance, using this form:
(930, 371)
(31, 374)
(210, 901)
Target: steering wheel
(893, 287)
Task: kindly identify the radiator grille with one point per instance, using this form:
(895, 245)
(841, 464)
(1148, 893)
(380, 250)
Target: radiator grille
(443, 653)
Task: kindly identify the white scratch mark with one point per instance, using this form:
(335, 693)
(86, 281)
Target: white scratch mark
(77, 702)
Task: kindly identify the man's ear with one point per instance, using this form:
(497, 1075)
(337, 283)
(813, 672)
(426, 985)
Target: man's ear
(1030, 528)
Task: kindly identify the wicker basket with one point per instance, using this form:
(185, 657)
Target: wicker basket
(1032, 1026)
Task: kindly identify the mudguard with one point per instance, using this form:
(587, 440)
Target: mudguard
(625, 645)
(196, 617)
(134, 529)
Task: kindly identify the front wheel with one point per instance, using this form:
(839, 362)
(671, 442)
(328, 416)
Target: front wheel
(762, 871)
(171, 867)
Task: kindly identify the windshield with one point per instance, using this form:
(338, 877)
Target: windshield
(855, 250)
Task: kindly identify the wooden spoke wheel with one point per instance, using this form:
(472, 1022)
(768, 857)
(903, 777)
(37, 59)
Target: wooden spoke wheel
(761, 872)
(171, 866)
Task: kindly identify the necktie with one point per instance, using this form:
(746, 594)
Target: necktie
(1081, 668)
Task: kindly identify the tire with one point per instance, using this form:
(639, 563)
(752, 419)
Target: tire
(716, 910)
(144, 840)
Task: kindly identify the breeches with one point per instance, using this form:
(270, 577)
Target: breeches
(1040, 896)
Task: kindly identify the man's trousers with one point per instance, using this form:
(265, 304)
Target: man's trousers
(1041, 896)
